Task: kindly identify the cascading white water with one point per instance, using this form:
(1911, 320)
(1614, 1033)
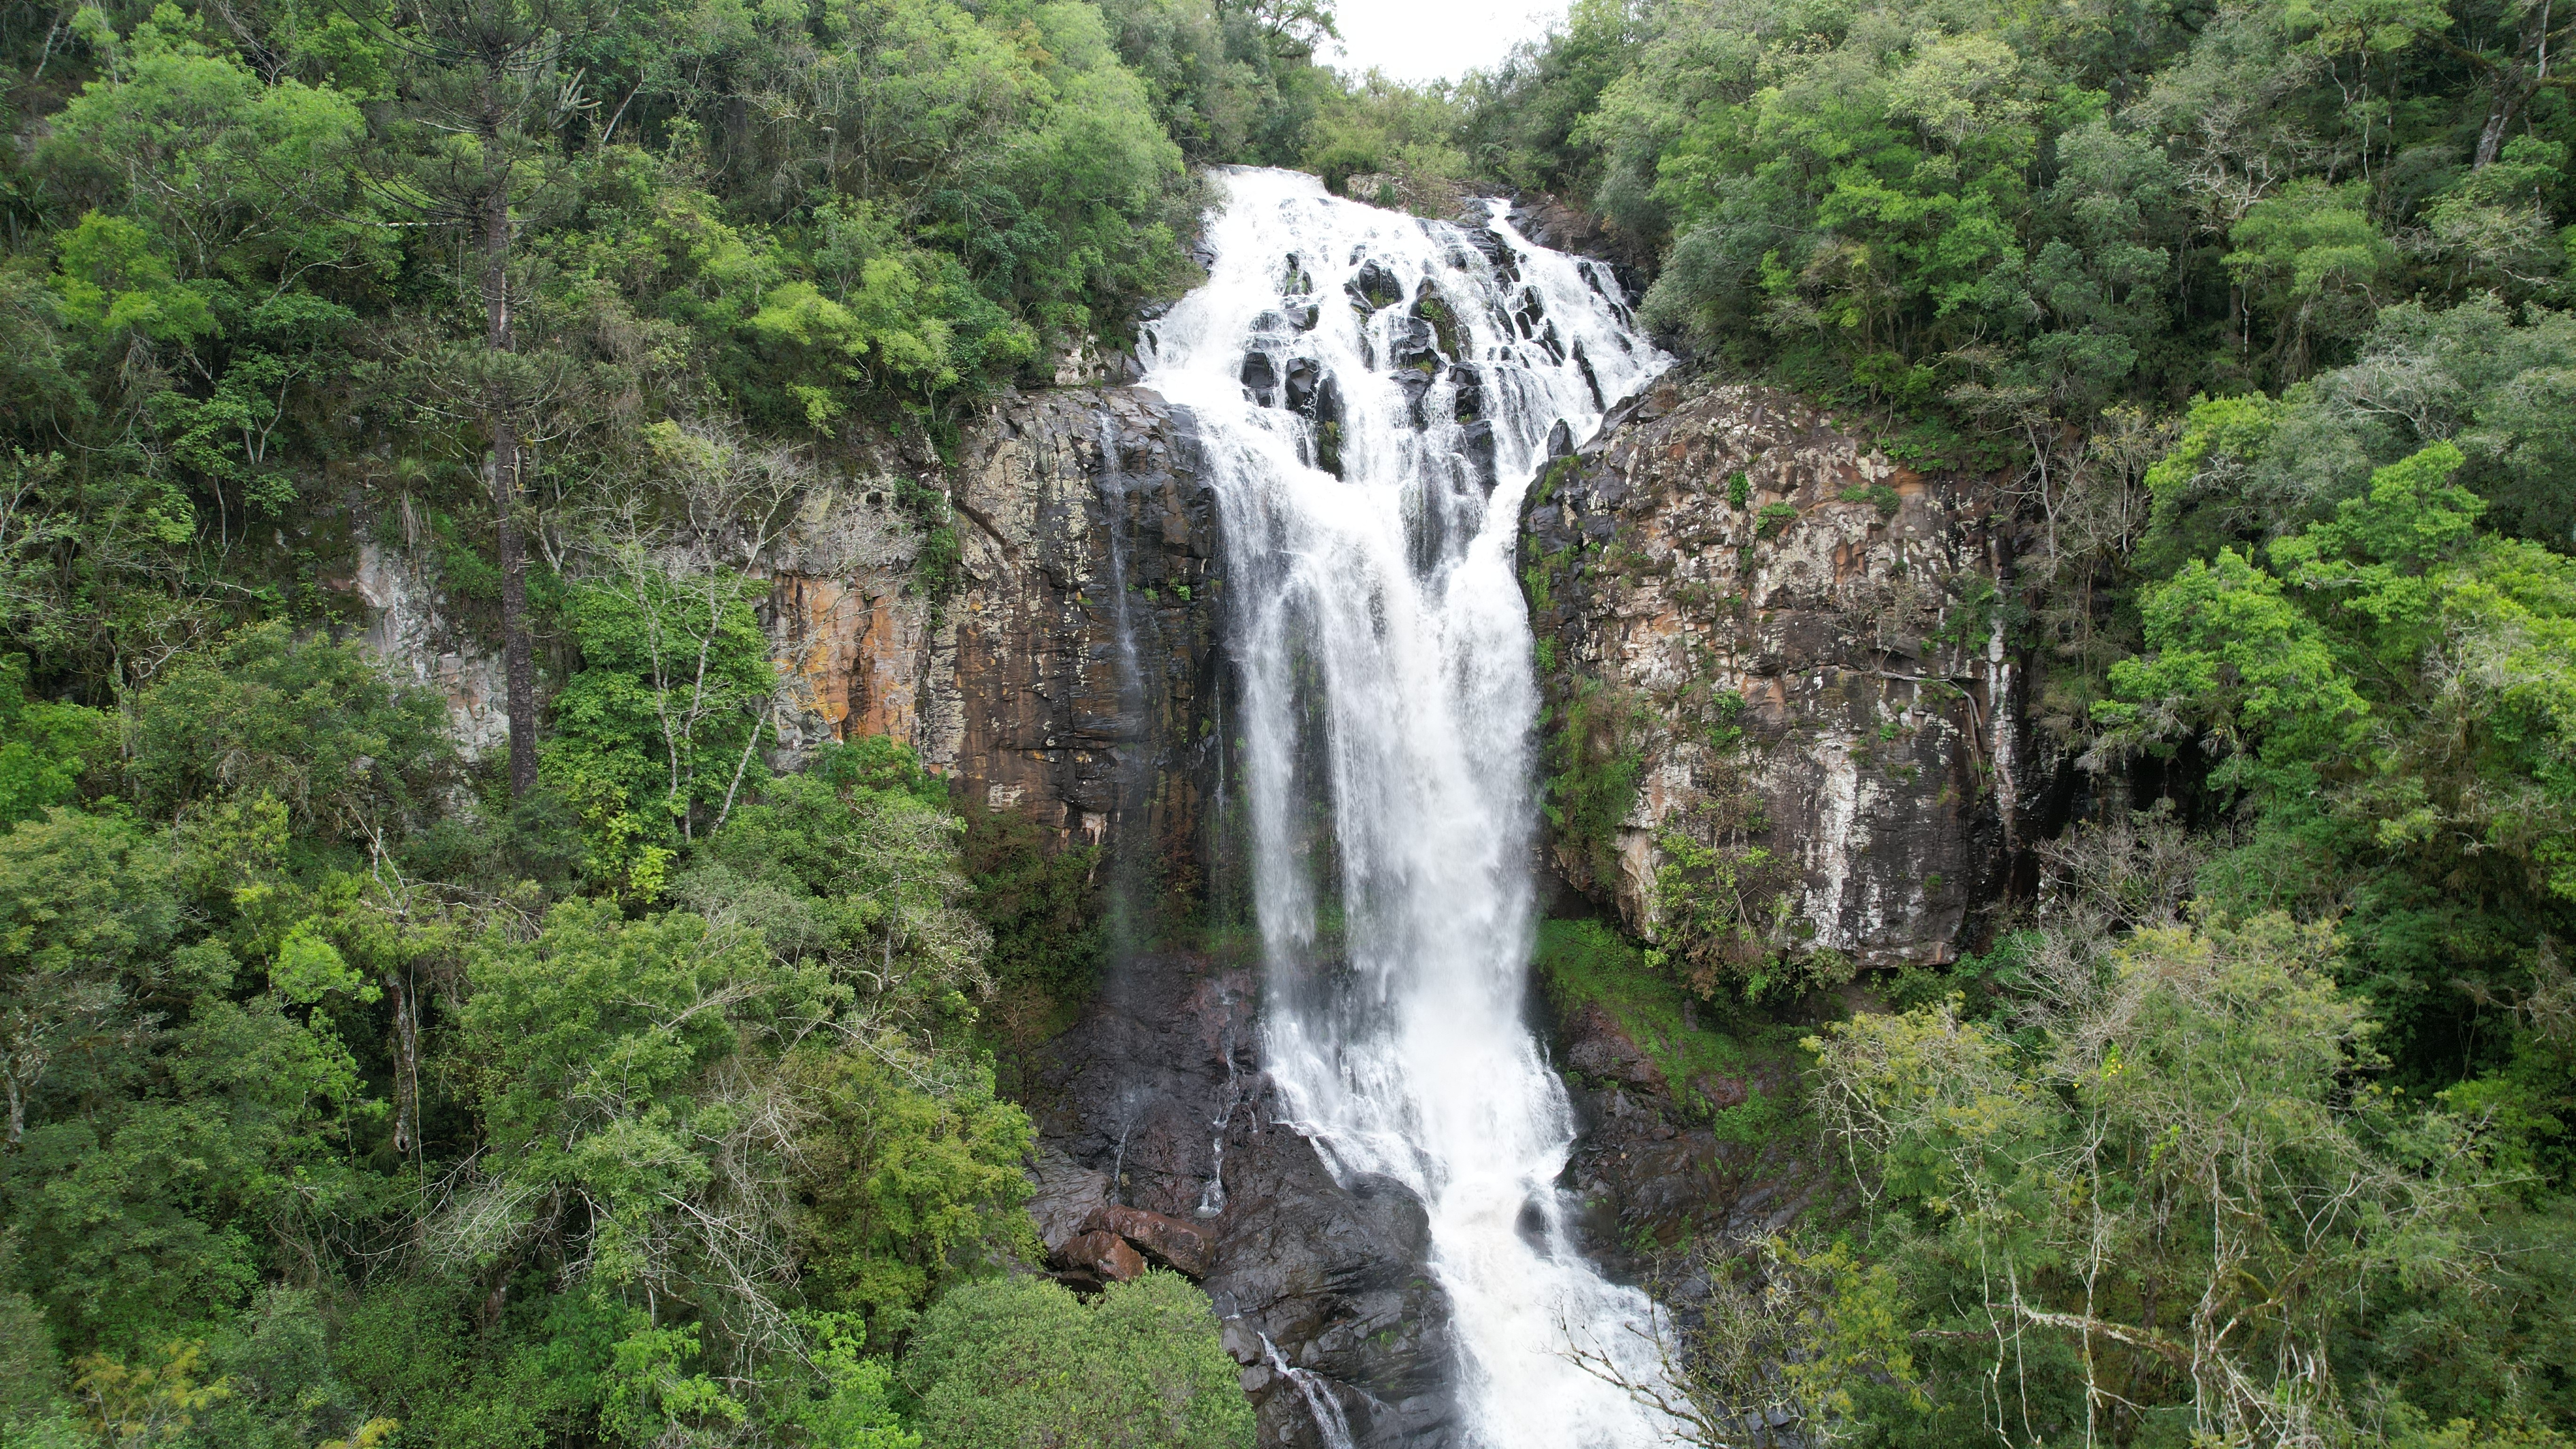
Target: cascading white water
(1373, 395)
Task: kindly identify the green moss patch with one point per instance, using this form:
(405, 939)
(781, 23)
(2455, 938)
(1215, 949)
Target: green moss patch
(1587, 963)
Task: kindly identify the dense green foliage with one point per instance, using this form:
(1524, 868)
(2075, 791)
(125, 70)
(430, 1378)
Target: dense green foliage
(353, 1097)
(2013, 216)
(1021, 1361)
(329, 1142)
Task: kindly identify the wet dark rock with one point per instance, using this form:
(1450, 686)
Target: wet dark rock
(1476, 440)
(1261, 378)
(1335, 1274)
(1305, 377)
(1415, 384)
(1414, 345)
(1373, 288)
(1583, 364)
(1328, 426)
(1496, 251)
(1303, 315)
(1560, 440)
(1430, 306)
(1328, 400)
(1469, 402)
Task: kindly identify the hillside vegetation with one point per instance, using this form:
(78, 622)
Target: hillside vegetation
(627, 1086)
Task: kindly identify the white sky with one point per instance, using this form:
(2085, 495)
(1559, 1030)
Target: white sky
(1420, 40)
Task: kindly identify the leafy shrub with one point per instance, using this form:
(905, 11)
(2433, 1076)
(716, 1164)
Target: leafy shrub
(1019, 1361)
(316, 724)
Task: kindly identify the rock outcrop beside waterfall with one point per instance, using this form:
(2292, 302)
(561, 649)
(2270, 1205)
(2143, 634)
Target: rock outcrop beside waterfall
(1722, 540)
(1156, 1096)
(1080, 647)
(1013, 684)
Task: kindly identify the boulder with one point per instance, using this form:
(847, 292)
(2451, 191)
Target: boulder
(1373, 288)
(1102, 1256)
(1597, 1047)
(1414, 345)
(1305, 378)
(1260, 378)
(1165, 1239)
(1064, 1196)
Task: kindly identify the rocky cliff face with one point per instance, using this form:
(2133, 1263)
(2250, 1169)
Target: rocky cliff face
(1067, 674)
(1788, 643)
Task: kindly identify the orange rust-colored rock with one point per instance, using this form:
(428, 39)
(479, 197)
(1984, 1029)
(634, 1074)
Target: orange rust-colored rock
(1104, 1256)
(855, 648)
(1167, 1240)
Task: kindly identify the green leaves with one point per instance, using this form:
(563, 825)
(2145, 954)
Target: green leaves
(588, 1034)
(2178, 1125)
(2312, 257)
(316, 725)
(240, 179)
(45, 749)
(2236, 658)
(664, 720)
(1019, 1360)
(111, 281)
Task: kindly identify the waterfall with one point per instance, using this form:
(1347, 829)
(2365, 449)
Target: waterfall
(1374, 394)
(1330, 1422)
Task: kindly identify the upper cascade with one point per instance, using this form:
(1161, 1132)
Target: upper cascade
(1374, 394)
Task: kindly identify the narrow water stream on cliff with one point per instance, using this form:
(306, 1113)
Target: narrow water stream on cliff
(1374, 395)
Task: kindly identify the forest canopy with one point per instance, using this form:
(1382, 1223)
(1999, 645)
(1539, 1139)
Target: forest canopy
(633, 1080)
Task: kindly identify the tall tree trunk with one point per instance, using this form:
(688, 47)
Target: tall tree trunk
(406, 1062)
(2511, 88)
(518, 657)
(2514, 81)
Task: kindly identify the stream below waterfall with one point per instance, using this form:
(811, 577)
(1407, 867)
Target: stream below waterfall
(1373, 395)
